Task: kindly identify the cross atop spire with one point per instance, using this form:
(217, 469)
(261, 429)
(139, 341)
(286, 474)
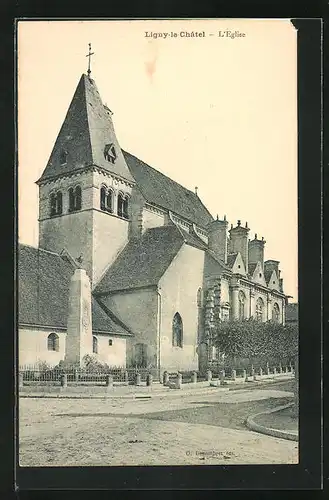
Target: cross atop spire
(89, 56)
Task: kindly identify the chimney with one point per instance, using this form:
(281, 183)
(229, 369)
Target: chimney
(217, 238)
(272, 265)
(256, 251)
(79, 338)
(239, 241)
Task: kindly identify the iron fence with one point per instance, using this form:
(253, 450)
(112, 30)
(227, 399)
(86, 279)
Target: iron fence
(35, 374)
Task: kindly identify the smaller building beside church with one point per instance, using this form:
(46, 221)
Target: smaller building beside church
(131, 266)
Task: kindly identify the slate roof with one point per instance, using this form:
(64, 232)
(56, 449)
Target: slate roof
(231, 258)
(143, 261)
(251, 269)
(267, 275)
(86, 130)
(43, 292)
(160, 190)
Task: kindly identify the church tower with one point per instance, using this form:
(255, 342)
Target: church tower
(85, 189)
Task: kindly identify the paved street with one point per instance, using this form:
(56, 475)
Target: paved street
(195, 429)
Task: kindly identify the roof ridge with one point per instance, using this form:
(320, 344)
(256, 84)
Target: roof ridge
(161, 173)
(39, 249)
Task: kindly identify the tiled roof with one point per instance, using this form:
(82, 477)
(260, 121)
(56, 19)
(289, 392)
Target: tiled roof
(160, 190)
(143, 261)
(43, 292)
(86, 130)
(231, 258)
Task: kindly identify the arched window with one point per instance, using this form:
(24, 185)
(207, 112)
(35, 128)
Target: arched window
(78, 198)
(242, 301)
(103, 198)
(199, 297)
(53, 204)
(259, 309)
(106, 199)
(53, 342)
(56, 203)
(120, 204)
(75, 197)
(125, 205)
(109, 201)
(276, 313)
(59, 202)
(95, 345)
(177, 331)
(71, 200)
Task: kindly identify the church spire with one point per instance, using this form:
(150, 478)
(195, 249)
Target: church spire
(87, 137)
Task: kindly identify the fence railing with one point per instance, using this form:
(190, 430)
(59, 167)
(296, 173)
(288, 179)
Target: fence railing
(30, 375)
(78, 375)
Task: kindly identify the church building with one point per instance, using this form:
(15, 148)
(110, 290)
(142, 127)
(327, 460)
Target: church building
(131, 266)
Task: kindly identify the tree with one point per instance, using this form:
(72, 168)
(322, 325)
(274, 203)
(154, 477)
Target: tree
(257, 342)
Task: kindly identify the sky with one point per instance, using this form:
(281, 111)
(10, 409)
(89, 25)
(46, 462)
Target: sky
(215, 112)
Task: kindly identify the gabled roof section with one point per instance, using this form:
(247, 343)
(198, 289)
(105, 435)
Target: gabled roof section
(143, 261)
(231, 258)
(251, 269)
(160, 190)
(272, 280)
(257, 274)
(192, 239)
(85, 136)
(43, 292)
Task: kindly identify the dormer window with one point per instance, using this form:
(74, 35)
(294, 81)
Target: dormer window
(63, 157)
(110, 153)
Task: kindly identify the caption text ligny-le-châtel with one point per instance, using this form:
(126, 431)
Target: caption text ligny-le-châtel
(193, 34)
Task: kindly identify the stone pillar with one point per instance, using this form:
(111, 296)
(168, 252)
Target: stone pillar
(149, 379)
(251, 304)
(79, 339)
(235, 302)
(269, 307)
(179, 380)
(233, 375)
(209, 375)
(194, 377)
(165, 378)
(20, 380)
(138, 379)
(64, 380)
(109, 381)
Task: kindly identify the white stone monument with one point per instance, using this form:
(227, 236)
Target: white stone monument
(79, 338)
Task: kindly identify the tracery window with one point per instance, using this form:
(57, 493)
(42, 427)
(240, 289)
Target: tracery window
(276, 313)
